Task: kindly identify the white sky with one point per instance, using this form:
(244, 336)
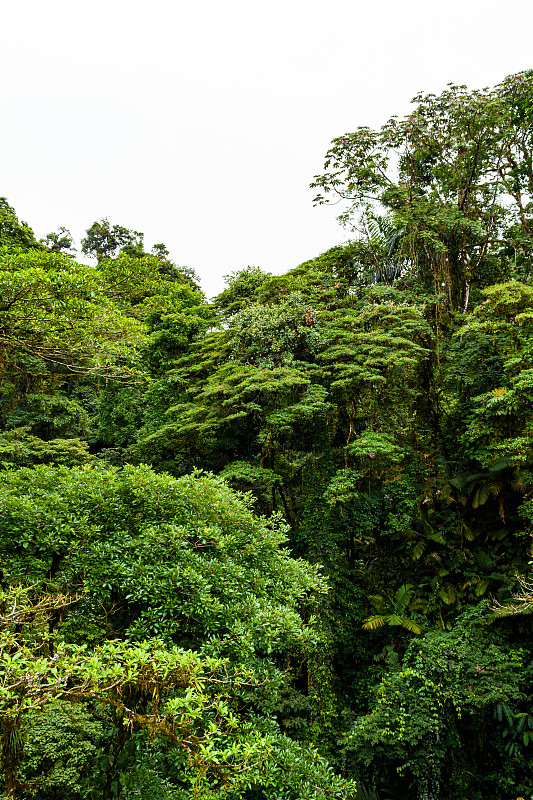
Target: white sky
(203, 123)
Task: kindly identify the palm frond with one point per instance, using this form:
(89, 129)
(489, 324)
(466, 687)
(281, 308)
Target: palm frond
(411, 626)
(402, 598)
(365, 794)
(371, 623)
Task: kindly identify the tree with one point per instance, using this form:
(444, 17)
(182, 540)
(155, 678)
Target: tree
(103, 240)
(454, 175)
(376, 400)
(37, 668)
(241, 289)
(78, 319)
(193, 611)
(61, 314)
(59, 242)
(392, 611)
(174, 272)
(14, 233)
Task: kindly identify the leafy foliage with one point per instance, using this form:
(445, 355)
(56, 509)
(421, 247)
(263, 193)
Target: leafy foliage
(370, 636)
(454, 176)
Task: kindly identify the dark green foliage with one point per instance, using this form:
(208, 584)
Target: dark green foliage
(431, 715)
(59, 242)
(63, 744)
(241, 289)
(104, 240)
(50, 416)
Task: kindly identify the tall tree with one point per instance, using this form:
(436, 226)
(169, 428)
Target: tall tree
(455, 175)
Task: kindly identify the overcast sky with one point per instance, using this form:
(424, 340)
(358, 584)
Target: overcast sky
(203, 123)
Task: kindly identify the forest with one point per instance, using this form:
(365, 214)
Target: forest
(277, 545)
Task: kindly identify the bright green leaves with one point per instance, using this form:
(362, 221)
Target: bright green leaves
(241, 290)
(182, 615)
(370, 349)
(161, 557)
(379, 446)
(498, 430)
(15, 234)
(19, 447)
(58, 312)
(504, 302)
(84, 319)
(37, 666)
(189, 699)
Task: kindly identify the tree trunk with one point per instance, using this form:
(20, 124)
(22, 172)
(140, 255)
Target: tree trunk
(11, 756)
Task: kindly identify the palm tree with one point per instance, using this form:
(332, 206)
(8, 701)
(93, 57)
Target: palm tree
(392, 611)
(385, 238)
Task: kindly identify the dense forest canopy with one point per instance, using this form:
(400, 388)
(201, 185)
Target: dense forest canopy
(277, 546)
